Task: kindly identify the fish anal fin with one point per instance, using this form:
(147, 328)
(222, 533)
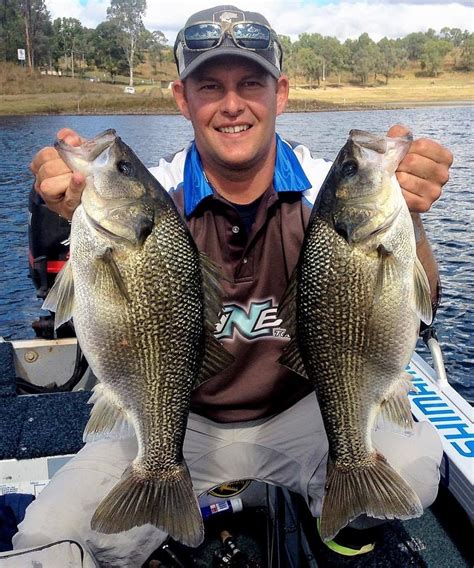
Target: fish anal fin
(421, 294)
(376, 490)
(108, 418)
(108, 260)
(396, 407)
(60, 299)
(166, 501)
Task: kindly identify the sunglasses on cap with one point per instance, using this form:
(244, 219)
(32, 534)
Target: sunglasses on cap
(208, 35)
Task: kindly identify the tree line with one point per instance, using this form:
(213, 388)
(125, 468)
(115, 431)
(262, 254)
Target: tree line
(119, 43)
(116, 45)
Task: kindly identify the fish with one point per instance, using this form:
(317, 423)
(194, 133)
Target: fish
(352, 310)
(144, 303)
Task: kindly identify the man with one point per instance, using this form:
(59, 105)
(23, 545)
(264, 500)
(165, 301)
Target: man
(244, 194)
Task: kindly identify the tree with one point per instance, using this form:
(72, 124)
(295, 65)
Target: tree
(364, 57)
(11, 30)
(69, 35)
(433, 54)
(414, 44)
(315, 68)
(467, 53)
(127, 16)
(38, 30)
(156, 44)
(392, 55)
(309, 63)
(107, 54)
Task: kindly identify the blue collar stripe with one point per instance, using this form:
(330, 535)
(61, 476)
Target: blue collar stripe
(196, 186)
(288, 176)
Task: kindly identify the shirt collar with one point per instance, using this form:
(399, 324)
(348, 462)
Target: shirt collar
(288, 175)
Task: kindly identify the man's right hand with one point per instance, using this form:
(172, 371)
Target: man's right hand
(60, 188)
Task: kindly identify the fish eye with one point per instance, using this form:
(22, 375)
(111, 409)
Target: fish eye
(349, 168)
(125, 168)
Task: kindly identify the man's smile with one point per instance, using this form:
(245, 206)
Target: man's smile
(234, 129)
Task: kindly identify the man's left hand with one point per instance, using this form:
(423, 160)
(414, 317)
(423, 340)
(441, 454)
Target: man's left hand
(423, 171)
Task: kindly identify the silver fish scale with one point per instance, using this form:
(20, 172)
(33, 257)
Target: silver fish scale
(353, 347)
(148, 350)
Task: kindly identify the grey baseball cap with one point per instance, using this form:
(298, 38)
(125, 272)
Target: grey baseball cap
(188, 60)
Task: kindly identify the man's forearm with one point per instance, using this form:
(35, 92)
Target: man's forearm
(426, 257)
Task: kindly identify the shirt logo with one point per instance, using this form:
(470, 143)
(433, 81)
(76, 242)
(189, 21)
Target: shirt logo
(259, 320)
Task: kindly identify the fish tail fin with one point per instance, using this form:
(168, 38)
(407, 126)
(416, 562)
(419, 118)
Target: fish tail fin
(377, 490)
(168, 502)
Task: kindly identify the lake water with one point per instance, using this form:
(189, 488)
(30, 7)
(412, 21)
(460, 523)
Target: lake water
(449, 224)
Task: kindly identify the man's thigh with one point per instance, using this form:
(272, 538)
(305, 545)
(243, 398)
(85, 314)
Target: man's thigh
(64, 508)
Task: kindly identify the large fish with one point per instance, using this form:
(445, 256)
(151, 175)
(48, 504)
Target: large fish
(144, 303)
(353, 310)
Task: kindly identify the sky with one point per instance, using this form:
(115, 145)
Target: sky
(342, 19)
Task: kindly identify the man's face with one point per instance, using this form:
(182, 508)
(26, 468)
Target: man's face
(232, 104)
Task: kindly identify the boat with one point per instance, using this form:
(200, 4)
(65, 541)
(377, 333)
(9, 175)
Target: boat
(42, 429)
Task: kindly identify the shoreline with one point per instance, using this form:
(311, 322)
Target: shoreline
(308, 106)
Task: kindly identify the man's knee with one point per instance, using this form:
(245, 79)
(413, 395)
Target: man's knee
(416, 456)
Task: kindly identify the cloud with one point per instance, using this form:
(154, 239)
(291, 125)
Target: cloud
(346, 19)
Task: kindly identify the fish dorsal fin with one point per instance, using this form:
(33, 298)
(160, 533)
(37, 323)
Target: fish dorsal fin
(108, 262)
(60, 299)
(388, 271)
(291, 356)
(216, 358)
(421, 294)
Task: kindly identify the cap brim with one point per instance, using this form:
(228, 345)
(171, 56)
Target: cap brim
(211, 54)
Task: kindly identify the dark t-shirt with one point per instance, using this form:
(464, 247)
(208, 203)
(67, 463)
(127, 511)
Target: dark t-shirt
(256, 259)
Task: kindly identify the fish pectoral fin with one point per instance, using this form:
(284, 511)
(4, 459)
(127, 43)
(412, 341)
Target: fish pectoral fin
(108, 261)
(212, 290)
(376, 490)
(165, 500)
(216, 358)
(108, 418)
(60, 299)
(292, 358)
(396, 407)
(287, 306)
(421, 294)
(388, 271)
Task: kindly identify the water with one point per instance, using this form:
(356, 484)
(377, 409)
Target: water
(449, 223)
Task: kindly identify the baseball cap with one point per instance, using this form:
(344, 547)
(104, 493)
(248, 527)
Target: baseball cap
(224, 31)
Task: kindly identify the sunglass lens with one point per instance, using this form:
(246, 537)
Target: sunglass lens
(202, 36)
(252, 36)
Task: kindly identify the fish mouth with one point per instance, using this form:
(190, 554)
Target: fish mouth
(235, 129)
(79, 158)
